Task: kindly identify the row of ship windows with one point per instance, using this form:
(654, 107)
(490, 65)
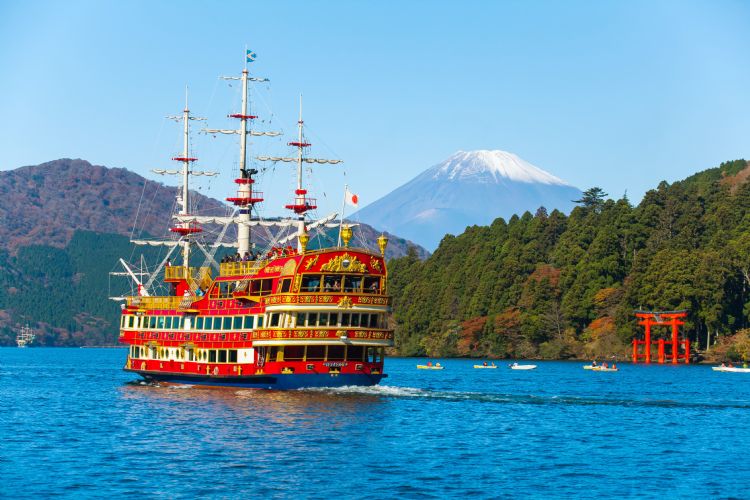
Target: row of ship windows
(276, 353)
(274, 320)
(310, 283)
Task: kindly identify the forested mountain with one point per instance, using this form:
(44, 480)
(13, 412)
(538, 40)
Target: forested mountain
(65, 224)
(555, 286)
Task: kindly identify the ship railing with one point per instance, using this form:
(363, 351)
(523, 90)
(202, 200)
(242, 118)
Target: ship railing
(154, 302)
(242, 268)
(187, 273)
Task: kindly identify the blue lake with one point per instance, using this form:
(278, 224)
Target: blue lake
(72, 423)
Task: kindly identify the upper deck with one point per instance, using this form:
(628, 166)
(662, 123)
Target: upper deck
(338, 277)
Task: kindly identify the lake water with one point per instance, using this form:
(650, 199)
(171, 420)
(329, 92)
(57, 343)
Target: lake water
(73, 423)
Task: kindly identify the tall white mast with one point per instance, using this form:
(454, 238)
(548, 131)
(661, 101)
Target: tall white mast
(185, 175)
(246, 198)
(185, 229)
(302, 204)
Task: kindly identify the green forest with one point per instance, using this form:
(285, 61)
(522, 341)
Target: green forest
(542, 285)
(547, 285)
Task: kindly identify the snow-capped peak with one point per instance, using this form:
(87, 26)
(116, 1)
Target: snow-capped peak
(488, 166)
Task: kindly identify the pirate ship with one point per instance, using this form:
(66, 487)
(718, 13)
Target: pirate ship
(282, 317)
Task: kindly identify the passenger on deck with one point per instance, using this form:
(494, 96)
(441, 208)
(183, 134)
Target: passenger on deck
(337, 286)
(374, 287)
(246, 257)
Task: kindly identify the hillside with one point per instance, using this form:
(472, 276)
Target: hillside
(469, 188)
(65, 224)
(555, 286)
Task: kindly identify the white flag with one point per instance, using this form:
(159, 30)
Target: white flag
(351, 198)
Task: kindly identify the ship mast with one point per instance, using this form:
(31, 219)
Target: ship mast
(246, 197)
(302, 204)
(186, 229)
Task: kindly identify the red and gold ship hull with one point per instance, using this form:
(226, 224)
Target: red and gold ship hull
(315, 319)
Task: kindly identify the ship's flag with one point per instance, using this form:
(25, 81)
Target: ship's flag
(351, 198)
(251, 56)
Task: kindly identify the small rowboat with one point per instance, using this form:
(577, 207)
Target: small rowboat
(429, 367)
(482, 367)
(516, 366)
(730, 369)
(602, 369)
(589, 367)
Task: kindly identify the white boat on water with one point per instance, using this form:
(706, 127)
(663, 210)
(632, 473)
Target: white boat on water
(516, 366)
(730, 369)
(486, 367)
(25, 336)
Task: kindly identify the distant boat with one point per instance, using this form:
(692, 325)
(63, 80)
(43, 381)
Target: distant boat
(603, 369)
(25, 336)
(488, 367)
(730, 369)
(437, 366)
(516, 366)
(589, 367)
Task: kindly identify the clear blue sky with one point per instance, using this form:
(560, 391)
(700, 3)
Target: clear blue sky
(619, 94)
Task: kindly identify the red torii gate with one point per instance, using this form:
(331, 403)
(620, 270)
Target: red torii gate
(661, 318)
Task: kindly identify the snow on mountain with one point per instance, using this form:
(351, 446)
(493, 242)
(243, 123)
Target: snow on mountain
(484, 165)
(469, 188)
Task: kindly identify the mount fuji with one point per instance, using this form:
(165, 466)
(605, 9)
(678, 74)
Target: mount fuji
(469, 188)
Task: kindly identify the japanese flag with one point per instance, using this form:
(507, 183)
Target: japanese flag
(351, 198)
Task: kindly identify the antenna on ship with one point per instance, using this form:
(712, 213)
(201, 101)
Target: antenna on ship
(246, 197)
(301, 204)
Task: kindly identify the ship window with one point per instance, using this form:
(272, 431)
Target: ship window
(122, 321)
(312, 319)
(316, 352)
(294, 352)
(335, 353)
(249, 322)
(227, 323)
(179, 322)
(274, 320)
(332, 283)
(276, 354)
(323, 321)
(222, 356)
(352, 283)
(261, 287)
(373, 321)
(212, 355)
(310, 283)
(160, 322)
(285, 284)
(191, 355)
(233, 355)
(355, 319)
(237, 322)
(260, 321)
(213, 323)
(371, 354)
(301, 319)
(355, 352)
(345, 318)
(131, 320)
(372, 284)
(151, 322)
(168, 322)
(199, 323)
